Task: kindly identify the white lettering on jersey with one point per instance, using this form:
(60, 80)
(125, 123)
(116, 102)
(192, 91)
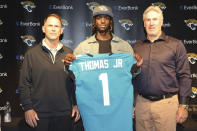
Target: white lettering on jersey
(118, 63)
(100, 64)
(92, 65)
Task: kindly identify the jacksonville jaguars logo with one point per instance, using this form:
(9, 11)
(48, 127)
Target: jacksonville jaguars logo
(194, 92)
(64, 23)
(1, 90)
(28, 5)
(191, 23)
(1, 56)
(92, 5)
(126, 23)
(103, 8)
(161, 5)
(28, 39)
(1, 22)
(192, 57)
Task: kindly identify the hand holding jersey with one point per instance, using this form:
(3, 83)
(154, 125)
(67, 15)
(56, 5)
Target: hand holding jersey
(104, 91)
(70, 57)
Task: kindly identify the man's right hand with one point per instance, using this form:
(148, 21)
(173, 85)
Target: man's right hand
(68, 59)
(31, 118)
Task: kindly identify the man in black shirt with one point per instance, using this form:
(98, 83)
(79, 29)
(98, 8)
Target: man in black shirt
(165, 75)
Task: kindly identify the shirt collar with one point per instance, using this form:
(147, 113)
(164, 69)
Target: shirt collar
(59, 46)
(162, 37)
(93, 39)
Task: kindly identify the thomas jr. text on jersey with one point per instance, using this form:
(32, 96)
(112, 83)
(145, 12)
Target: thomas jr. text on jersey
(100, 64)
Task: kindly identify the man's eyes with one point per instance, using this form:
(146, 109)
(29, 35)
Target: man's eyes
(53, 26)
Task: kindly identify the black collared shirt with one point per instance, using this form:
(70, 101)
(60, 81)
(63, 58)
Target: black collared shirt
(165, 68)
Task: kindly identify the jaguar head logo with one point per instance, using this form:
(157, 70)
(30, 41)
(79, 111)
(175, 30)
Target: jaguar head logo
(161, 5)
(92, 5)
(28, 5)
(64, 23)
(28, 39)
(126, 23)
(192, 57)
(1, 56)
(191, 23)
(1, 22)
(194, 92)
(1, 90)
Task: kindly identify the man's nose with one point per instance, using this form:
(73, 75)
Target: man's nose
(102, 19)
(53, 27)
(151, 22)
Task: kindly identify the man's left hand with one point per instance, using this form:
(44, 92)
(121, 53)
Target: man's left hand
(181, 115)
(75, 113)
(139, 59)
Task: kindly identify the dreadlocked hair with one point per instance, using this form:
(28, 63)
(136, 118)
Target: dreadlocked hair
(94, 29)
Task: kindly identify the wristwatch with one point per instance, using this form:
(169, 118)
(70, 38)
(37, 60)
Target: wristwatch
(185, 106)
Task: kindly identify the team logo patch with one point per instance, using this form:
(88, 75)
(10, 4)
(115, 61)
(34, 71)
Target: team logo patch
(1, 90)
(126, 23)
(92, 5)
(28, 39)
(192, 57)
(161, 5)
(191, 23)
(64, 22)
(1, 22)
(1, 56)
(194, 92)
(28, 5)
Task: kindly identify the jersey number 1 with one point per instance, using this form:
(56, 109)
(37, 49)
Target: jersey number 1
(104, 78)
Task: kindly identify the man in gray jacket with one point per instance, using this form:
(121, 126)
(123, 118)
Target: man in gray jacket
(103, 40)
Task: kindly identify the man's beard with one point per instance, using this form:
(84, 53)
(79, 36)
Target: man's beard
(104, 31)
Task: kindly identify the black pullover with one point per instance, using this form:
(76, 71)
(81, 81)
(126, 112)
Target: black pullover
(44, 86)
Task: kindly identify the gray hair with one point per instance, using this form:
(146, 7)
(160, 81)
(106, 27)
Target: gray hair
(153, 8)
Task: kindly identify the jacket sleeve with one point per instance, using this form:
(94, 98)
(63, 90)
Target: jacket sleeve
(183, 74)
(25, 84)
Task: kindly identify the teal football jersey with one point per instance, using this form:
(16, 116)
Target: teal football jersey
(104, 91)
